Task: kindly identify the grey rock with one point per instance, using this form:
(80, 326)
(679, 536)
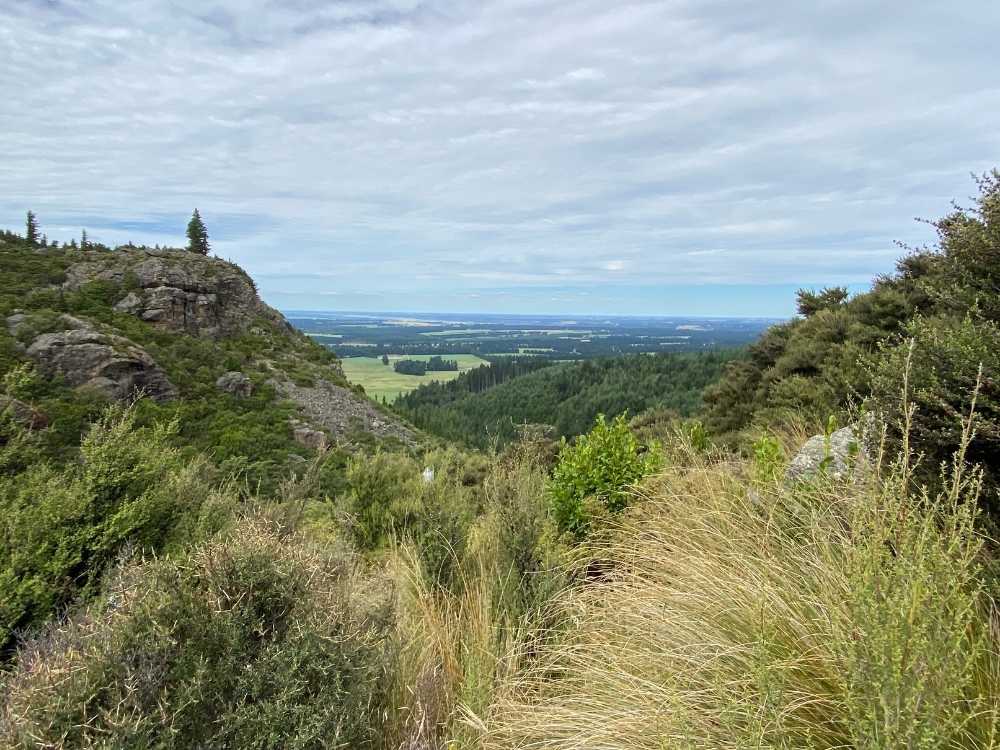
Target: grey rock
(113, 365)
(15, 321)
(131, 303)
(839, 459)
(236, 383)
(309, 437)
(179, 291)
(22, 413)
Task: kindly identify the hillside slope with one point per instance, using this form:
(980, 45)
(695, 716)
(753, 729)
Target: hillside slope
(188, 331)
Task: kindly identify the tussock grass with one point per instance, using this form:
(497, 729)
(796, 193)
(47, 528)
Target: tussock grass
(735, 614)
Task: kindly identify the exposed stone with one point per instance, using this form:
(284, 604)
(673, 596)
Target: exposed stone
(15, 321)
(130, 304)
(839, 457)
(311, 438)
(22, 413)
(236, 383)
(179, 291)
(341, 412)
(112, 365)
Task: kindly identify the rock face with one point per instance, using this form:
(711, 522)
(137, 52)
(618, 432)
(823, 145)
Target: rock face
(235, 383)
(22, 413)
(843, 458)
(341, 412)
(179, 291)
(305, 435)
(112, 365)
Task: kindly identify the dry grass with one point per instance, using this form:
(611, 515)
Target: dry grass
(734, 616)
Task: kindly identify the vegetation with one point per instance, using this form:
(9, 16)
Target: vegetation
(383, 383)
(197, 235)
(567, 396)
(939, 310)
(594, 476)
(185, 575)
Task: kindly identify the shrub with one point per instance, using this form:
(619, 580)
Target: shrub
(601, 466)
(250, 641)
(62, 527)
(942, 374)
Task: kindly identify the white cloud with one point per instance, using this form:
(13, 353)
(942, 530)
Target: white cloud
(415, 145)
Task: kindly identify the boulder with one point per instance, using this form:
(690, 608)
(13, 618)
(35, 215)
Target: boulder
(114, 366)
(839, 457)
(23, 414)
(309, 437)
(236, 383)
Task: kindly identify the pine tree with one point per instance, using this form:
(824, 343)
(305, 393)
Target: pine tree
(31, 231)
(83, 240)
(197, 235)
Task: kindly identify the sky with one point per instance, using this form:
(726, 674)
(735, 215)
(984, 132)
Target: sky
(563, 156)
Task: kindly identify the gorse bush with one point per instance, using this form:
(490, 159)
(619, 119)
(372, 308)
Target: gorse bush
(817, 616)
(63, 527)
(594, 475)
(251, 641)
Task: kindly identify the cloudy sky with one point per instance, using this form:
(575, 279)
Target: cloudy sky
(525, 155)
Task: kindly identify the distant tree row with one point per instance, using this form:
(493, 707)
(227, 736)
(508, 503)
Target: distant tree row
(197, 236)
(418, 367)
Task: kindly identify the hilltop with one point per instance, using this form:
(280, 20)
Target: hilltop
(191, 333)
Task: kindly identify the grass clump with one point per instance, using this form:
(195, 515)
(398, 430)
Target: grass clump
(738, 614)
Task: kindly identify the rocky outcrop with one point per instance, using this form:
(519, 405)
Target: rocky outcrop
(111, 365)
(22, 413)
(179, 291)
(309, 437)
(840, 456)
(236, 383)
(341, 412)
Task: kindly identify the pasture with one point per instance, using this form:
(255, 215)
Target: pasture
(381, 381)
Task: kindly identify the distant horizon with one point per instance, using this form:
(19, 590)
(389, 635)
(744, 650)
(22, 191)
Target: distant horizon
(425, 314)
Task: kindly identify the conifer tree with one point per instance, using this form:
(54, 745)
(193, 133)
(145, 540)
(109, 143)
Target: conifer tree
(83, 240)
(197, 235)
(31, 230)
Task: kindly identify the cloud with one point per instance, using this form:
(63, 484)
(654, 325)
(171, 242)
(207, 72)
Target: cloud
(405, 147)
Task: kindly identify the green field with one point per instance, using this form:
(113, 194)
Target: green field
(381, 380)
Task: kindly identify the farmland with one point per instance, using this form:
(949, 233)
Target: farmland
(485, 335)
(380, 381)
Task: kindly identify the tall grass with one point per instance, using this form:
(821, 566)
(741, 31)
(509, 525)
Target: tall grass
(740, 614)
(458, 641)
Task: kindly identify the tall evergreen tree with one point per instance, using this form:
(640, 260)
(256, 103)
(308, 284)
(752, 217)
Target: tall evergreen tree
(197, 235)
(83, 239)
(31, 230)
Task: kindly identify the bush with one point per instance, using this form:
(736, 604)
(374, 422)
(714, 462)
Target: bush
(942, 374)
(601, 466)
(251, 641)
(62, 527)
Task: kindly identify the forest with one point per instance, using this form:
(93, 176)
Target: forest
(491, 403)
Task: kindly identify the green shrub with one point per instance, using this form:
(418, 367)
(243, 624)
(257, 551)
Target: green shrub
(62, 527)
(601, 466)
(254, 641)
(942, 374)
